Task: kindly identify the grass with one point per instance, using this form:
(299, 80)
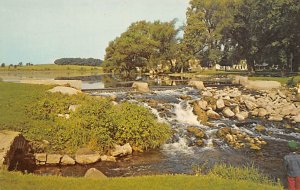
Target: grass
(13, 100)
(52, 67)
(17, 181)
(282, 80)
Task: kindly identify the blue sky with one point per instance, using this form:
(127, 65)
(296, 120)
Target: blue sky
(40, 31)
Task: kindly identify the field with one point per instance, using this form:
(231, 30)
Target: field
(52, 67)
(17, 181)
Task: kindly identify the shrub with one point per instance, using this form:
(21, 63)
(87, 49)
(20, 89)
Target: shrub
(97, 124)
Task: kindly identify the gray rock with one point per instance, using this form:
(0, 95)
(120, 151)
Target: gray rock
(106, 158)
(141, 87)
(275, 118)
(67, 160)
(122, 150)
(262, 112)
(212, 114)
(203, 104)
(86, 156)
(197, 84)
(220, 104)
(40, 158)
(250, 105)
(227, 112)
(93, 173)
(53, 159)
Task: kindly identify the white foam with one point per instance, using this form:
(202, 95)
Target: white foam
(185, 115)
(178, 147)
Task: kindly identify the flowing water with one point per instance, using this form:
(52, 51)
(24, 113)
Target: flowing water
(180, 154)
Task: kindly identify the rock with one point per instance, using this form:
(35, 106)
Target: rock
(254, 147)
(67, 116)
(199, 143)
(239, 117)
(207, 93)
(227, 112)
(53, 159)
(185, 97)
(203, 104)
(40, 158)
(297, 118)
(275, 118)
(94, 174)
(262, 112)
(196, 131)
(65, 90)
(236, 109)
(202, 117)
(260, 128)
(141, 87)
(67, 160)
(212, 114)
(197, 84)
(245, 114)
(106, 158)
(223, 132)
(220, 104)
(263, 85)
(73, 107)
(281, 94)
(86, 156)
(122, 150)
(250, 105)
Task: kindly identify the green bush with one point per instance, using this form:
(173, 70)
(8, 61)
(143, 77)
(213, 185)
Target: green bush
(97, 124)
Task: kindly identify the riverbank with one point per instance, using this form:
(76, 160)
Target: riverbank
(18, 181)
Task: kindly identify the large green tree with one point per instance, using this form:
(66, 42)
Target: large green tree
(147, 45)
(206, 34)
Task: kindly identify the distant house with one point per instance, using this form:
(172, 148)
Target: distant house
(262, 66)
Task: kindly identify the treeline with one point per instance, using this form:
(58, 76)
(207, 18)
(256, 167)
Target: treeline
(78, 61)
(221, 32)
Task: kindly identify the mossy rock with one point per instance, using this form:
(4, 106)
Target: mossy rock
(260, 128)
(223, 132)
(202, 116)
(196, 131)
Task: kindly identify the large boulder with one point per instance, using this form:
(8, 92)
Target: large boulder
(197, 84)
(220, 104)
(53, 159)
(213, 115)
(202, 117)
(86, 156)
(203, 104)
(227, 112)
(94, 174)
(263, 85)
(65, 90)
(141, 87)
(122, 150)
(67, 160)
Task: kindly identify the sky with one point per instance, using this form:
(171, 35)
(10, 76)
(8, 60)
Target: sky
(40, 31)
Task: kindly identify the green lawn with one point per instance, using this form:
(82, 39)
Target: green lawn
(282, 80)
(52, 67)
(13, 101)
(17, 181)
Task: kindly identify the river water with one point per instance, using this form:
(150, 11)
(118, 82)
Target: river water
(179, 154)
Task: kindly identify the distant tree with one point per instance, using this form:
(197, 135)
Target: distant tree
(20, 64)
(79, 61)
(15, 66)
(3, 65)
(28, 64)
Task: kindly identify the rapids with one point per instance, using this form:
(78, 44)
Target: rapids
(180, 154)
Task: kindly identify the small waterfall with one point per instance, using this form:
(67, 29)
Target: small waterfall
(184, 114)
(156, 113)
(178, 147)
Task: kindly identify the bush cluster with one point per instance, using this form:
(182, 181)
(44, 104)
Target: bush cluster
(97, 124)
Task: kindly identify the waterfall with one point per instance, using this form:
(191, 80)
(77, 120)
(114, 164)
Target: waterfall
(184, 114)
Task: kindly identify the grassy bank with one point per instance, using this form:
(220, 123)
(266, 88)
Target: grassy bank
(52, 67)
(18, 181)
(282, 80)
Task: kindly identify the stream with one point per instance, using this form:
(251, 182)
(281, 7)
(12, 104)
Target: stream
(180, 154)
